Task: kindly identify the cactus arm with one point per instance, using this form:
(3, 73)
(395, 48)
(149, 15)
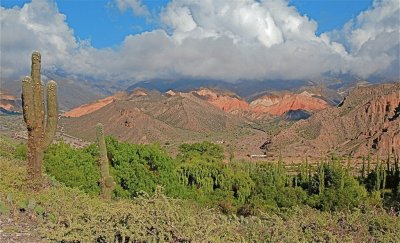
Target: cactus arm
(27, 103)
(52, 113)
(37, 93)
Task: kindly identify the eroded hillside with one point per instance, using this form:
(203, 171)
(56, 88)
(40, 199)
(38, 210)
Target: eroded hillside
(367, 121)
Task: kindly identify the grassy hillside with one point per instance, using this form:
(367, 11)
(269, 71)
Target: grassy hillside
(64, 214)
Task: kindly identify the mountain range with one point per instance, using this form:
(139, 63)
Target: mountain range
(307, 122)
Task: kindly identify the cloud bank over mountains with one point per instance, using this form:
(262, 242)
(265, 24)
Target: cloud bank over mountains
(210, 39)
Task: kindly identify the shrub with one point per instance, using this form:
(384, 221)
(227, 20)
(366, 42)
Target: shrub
(342, 191)
(140, 168)
(205, 150)
(73, 167)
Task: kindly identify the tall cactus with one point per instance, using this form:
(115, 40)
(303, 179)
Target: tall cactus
(363, 169)
(106, 182)
(321, 177)
(40, 132)
(378, 178)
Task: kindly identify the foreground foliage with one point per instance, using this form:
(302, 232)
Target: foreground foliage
(198, 173)
(67, 214)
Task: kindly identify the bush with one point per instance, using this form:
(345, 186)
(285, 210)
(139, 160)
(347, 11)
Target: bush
(73, 167)
(341, 190)
(289, 197)
(205, 150)
(140, 168)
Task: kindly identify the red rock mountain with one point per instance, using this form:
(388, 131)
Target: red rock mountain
(226, 102)
(89, 108)
(271, 104)
(275, 104)
(149, 116)
(367, 121)
(282, 103)
(9, 104)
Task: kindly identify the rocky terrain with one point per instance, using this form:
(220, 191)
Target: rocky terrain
(367, 121)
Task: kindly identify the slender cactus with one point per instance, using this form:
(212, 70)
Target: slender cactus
(307, 174)
(321, 176)
(106, 182)
(363, 169)
(378, 178)
(349, 172)
(342, 179)
(384, 179)
(40, 133)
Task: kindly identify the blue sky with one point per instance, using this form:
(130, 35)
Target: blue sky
(106, 26)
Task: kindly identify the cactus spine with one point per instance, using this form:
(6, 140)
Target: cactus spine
(106, 182)
(40, 133)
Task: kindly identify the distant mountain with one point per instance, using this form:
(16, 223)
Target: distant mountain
(263, 107)
(148, 116)
(367, 121)
(242, 88)
(71, 93)
(9, 104)
(75, 90)
(279, 104)
(89, 108)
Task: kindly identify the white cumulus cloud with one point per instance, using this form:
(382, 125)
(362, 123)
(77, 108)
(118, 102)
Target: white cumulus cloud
(373, 40)
(213, 39)
(137, 7)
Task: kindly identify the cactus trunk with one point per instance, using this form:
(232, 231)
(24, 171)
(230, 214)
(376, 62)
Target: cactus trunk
(106, 182)
(40, 134)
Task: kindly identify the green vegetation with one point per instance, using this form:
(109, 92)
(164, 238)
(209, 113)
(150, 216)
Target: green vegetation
(10, 148)
(73, 167)
(197, 196)
(199, 173)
